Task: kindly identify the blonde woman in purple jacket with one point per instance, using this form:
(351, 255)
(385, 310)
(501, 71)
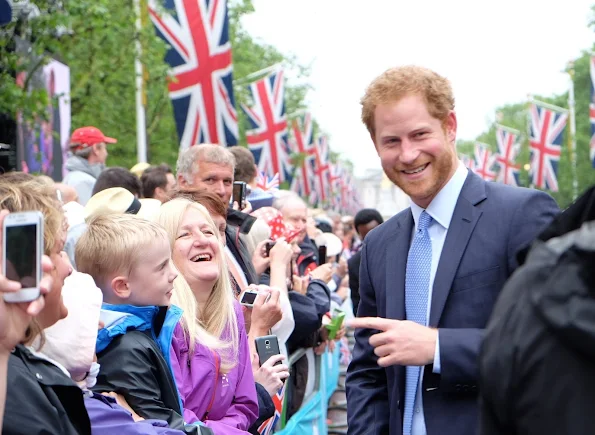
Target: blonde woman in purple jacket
(210, 353)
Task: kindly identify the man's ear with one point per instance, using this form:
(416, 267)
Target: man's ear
(451, 127)
(182, 182)
(120, 287)
(159, 193)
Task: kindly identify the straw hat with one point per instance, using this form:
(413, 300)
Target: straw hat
(113, 200)
(139, 168)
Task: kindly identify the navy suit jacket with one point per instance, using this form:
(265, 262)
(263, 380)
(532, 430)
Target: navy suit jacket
(490, 223)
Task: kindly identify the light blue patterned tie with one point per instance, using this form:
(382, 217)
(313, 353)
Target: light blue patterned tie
(417, 283)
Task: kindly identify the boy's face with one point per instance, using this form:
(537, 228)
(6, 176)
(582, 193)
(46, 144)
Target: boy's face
(151, 281)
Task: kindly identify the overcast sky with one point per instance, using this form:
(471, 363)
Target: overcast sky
(494, 52)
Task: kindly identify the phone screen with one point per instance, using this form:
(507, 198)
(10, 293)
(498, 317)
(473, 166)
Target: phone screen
(249, 298)
(21, 254)
(321, 255)
(238, 193)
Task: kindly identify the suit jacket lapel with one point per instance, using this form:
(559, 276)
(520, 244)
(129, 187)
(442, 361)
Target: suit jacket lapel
(461, 227)
(397, 249)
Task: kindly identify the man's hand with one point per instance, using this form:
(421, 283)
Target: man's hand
(300, 284)
(399, 342)
(323, 272)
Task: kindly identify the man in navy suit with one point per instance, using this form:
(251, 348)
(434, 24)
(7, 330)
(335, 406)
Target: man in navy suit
(430, 276)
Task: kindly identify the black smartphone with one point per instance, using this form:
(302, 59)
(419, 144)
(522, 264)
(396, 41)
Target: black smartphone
(239, 193)
(266, 347)
(321, 254)
(248, 298)
(268, 248)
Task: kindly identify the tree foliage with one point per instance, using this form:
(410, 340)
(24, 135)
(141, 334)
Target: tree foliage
(515, 115)
(97, 41)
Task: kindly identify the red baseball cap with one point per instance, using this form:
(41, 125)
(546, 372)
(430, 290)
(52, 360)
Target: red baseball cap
(85, 137)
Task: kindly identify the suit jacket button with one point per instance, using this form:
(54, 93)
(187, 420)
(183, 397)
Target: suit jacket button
(458, 387)
(474, 388)
(38, 376)
(398, 404)
(465, 388)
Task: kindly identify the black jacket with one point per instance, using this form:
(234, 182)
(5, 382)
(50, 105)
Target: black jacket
(537, 364)
(41, 399)
(353, 267)
(238, 248)
(133, 365)
(266, 408)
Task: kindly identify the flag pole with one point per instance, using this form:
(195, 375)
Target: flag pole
(571, 113)
(141, 130)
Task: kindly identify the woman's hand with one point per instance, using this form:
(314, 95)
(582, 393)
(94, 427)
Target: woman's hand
(281, 253)
(266, 311)
(269, 375)
(15, 317)
(259, 259)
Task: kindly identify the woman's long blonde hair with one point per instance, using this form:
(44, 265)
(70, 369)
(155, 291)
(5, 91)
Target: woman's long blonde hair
(204, 324)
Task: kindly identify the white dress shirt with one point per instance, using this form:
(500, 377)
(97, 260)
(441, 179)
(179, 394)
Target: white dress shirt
(441, 210)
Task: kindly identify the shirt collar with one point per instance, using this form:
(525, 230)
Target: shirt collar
(443, 205)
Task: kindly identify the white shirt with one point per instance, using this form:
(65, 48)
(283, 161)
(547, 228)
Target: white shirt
(441, 210)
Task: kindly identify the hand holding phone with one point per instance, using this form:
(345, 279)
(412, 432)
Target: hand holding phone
(248, 297)
(239, 194)
(22, 240)
(266, 347)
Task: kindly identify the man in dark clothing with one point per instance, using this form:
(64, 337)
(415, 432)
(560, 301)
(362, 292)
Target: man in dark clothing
(537, 362)
(365, 221)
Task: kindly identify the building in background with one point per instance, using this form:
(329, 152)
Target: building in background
(377, 191)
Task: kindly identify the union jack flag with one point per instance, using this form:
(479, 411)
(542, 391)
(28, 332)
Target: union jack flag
(468, 161)
(508, 149)
(268, 426)
(545, 142)
(201, 91)
(592, 111)
(267, 136)
(302, 144)
(345, 352)
(336, 185)
(484, 160)
(320, 151)
(267, 184)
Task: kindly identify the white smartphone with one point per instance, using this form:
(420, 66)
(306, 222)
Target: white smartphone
(248, 298)
(22, 237)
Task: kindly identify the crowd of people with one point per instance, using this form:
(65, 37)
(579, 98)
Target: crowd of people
(140, 329)
(472, 306)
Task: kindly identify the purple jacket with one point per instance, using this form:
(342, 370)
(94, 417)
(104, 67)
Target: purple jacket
(235, 406)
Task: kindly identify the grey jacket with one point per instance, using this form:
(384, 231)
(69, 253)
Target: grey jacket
(82, 176)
